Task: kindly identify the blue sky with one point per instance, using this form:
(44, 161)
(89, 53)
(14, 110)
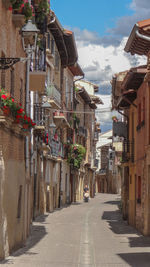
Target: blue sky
(97, 15)
(101, 29)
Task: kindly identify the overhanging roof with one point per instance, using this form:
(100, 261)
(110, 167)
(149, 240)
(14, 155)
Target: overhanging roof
(83, 93)
(134, 78)
(96, 99)
(64, 41)
(139, 39)
(76, 70)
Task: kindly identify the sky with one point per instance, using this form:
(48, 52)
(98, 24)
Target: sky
(101, 29)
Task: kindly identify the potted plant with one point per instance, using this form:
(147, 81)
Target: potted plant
(16, 4)
(76, 155)
(27, 10)
(42, 9)
(15, 110)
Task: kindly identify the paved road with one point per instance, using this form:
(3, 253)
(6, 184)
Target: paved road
(84, 235)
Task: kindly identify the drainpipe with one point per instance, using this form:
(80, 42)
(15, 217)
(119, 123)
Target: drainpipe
(141, 35)
(27, 105)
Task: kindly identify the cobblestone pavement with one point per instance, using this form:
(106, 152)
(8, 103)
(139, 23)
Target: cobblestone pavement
(83, 235)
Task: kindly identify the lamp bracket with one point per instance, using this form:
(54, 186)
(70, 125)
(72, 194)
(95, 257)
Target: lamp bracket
(8, 62)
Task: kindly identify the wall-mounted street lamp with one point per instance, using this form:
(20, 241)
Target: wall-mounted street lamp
(29, 38)
(29, 34)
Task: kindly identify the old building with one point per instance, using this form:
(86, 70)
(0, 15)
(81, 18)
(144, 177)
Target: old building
(134, 102)
(15, 183)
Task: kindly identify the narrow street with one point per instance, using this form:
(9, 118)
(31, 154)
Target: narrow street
(84, 234)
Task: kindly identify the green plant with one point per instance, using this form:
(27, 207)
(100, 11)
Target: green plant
(16, 4)
(76, 155)
(76, 89)
(13, 109)
(27, 10)
(76, 119)
(42, 10)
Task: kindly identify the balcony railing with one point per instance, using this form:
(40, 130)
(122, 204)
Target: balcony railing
(96, 136)
(57, 149)
(53, 93)
(82, 131)
(128, 151)
(96, 161)
(120, 129)
(37, 75)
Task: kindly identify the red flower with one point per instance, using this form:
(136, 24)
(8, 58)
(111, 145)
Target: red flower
(18, 116)
(25, 117)
(20, 110)
(12, 100)
(3, 96)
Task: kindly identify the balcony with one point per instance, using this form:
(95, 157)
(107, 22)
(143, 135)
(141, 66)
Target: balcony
(120, 129)
(54, 96)
(96, 135)
(128, 151)
(37, 76)
(88, 160)
(60, 120)
(82, 131)
(18, 20)
(57, 149)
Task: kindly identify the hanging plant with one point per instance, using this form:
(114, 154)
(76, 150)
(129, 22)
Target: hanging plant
(10, 108)
(42, 10)
(76, 155)
(16, 4)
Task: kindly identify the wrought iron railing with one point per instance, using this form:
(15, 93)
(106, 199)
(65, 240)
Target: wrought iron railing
(128, 151)
(57, 149)
(54, 93)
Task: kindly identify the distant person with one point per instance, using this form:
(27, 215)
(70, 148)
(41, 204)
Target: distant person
(86, 189)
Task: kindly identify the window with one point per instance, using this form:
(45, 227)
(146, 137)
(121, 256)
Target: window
(56, 60)
(52, 46)
(139, 114)
(12, 86)
(143, 108)
(21, 92)
(139, 190)
(19, 202)
(48, 40)
(3, 74)
(130, 179)
(3, 78)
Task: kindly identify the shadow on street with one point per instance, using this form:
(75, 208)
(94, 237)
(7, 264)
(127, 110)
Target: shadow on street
(120, 227)
(37, 233)
(136, 259)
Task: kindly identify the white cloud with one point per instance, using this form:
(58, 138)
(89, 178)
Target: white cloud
(102, 57)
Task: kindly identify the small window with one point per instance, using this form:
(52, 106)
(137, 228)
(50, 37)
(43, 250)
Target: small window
(52, 46)
(139, 190)
(48, 41)
(56, 60)
(130, 179)
(143, 108)
(19, 202)
(12, 85)
(139, 114)
(3, 78)
(21, 92)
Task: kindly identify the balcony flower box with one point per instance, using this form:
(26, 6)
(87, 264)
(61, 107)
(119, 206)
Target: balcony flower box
(18, 20)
